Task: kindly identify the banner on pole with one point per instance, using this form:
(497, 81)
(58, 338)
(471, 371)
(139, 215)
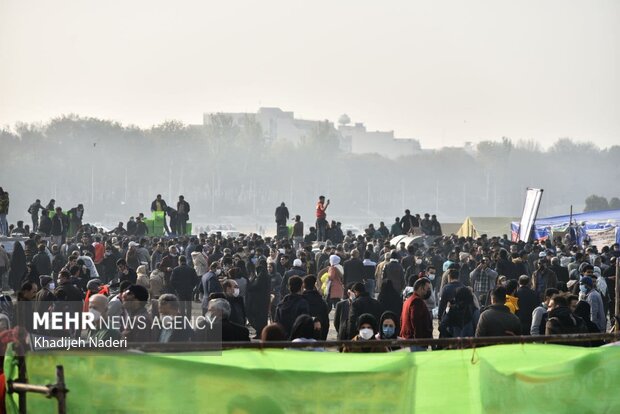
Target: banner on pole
(530, 210)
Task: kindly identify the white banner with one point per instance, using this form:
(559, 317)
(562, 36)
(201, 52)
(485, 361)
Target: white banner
(602, 238)
(530, 210)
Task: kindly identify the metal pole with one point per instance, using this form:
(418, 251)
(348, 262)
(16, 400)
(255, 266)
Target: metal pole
(61, 390)
(617, 302)
(23, 378)
(92, 186)
(368, 197)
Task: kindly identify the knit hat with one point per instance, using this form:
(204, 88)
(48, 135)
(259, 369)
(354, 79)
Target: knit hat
(44, 280)
(297, 263)
(334, 259)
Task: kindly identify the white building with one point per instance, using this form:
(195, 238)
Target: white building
(380, 142)
(282, 125)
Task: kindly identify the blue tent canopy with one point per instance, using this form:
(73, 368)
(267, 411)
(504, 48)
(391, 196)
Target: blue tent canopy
(593, 220)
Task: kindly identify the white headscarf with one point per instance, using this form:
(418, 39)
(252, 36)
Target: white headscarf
(334, 260)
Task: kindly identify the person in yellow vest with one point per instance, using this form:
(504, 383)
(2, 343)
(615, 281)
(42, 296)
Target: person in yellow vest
(512, 302)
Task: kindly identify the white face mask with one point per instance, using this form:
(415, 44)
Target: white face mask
(218, 272)
(96, 314)
(366, 333)
(431, 276)
(51, 285)
(418, 261)
(236, 292)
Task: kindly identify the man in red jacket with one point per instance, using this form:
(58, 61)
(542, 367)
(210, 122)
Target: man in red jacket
(416, 320)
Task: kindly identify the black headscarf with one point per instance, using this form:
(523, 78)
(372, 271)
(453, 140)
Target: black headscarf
(389, 298)
(303, 327)
(18, 267)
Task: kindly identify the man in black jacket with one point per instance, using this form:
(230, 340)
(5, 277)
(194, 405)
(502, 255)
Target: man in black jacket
(561, 273)
(497, 320)
(393, 271)
(158, 204)
(41, 262)
(561, 320)
(407, 223)
(60, 225)
(528, 301)
(296, 270)
(182, 216)
(362, 303)
(45, 223)
(183, 279)
(318, 307)
(141, 228)
(353, 269)
(448, 293)
(341, 316)
(172, 331)
(219, 327)
(281, 215)
(69, 296)
(293, 305)
(237, 307)
(125, 272)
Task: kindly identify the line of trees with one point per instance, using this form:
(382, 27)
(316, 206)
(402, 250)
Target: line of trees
(227, 168)
(599, 203)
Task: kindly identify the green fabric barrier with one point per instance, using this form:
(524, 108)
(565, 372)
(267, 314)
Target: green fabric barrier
(158, 217)
(188, 228)
(499, 379)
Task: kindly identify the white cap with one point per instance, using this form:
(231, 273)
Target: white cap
(297, 263)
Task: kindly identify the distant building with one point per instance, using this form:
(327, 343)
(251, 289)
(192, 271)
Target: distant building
(379, 142)
(279, 125)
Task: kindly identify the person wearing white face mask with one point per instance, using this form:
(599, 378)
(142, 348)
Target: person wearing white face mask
(430, 273)
(98, 307)
(594, 299)
(209, 284)
(45, 297)
(237, 305)
(367, 330)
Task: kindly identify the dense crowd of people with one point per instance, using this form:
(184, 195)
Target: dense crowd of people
(284, 288)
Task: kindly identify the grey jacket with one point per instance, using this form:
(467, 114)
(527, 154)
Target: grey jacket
(597, 311)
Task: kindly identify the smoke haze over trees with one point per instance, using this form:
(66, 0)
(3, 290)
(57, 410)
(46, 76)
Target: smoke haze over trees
(228, 170)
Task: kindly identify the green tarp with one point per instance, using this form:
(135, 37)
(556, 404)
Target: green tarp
(499, 379)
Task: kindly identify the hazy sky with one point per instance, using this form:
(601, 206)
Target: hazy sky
(440, 71)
